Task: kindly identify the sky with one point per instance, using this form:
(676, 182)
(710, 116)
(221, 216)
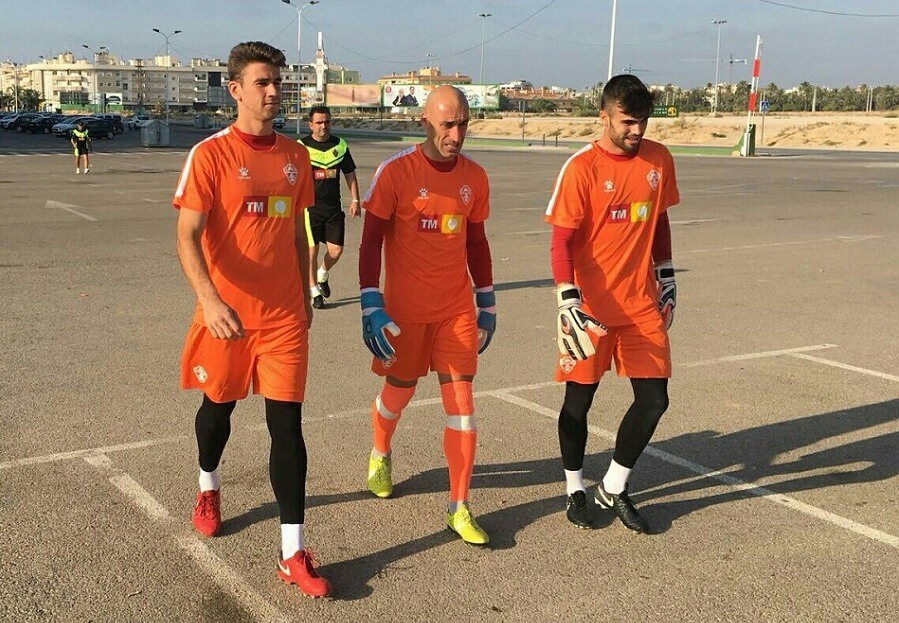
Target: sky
(563, 43)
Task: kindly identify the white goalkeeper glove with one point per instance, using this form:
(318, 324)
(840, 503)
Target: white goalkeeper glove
(667, 291)
(574, 323)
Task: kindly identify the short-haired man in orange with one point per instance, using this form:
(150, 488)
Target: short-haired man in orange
(242, 244)
(426, 207)
(611, 261)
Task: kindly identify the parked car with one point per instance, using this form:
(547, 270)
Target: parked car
(18, 123)
(64, 128)
(138, 121)
(100, 128)
(278, 122)
(6, 122)
(116, 119)
(41, 125)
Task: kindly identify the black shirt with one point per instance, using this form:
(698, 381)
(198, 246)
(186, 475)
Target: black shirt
(327, 179)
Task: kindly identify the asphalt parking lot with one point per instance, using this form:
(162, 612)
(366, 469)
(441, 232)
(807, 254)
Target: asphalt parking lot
(771, 480)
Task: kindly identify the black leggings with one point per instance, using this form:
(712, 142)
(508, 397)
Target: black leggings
(634, 432)
(287, 458)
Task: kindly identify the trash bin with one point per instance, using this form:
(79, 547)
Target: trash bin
(155, 134)
(747, 144)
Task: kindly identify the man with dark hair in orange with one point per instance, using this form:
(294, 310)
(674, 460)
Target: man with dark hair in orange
(611, 261)
(241, 242)
(426, 207)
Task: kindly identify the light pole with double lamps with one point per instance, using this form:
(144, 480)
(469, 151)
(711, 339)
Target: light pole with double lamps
(168, 62)
(299, 11)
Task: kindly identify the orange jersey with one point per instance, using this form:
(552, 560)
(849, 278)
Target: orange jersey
(253, 200)
(425, 260)
(614, 204)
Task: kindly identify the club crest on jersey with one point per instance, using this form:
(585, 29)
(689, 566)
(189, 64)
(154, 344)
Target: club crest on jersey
(422, 193)
(291, 172)
(441, 224)
(200, 373)
(609, 186)
(243, 173)
(272, 207)
(567, 364)
(465, 193)
(653, 177)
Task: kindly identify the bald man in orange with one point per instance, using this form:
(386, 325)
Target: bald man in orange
(426, 210)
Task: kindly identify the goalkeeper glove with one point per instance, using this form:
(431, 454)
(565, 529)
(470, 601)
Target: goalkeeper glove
(667, 291)
(376, 324)
(574, 323)
(485, 299)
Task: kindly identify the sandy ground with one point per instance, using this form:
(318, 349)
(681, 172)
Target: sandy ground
(873, 131)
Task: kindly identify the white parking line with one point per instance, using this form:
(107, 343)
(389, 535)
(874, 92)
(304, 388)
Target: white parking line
(216, 568)
(762, 355)
(859, 238)
(736, 483)
(846, 366)
(58, 205)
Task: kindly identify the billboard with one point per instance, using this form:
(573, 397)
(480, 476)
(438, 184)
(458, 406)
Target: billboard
(411, 95)
(353, 95)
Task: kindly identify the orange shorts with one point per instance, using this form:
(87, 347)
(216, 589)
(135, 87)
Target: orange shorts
(641, 351)
(275, 360)
(449, 347)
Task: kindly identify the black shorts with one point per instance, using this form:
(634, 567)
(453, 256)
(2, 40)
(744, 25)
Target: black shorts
(325, 225)
(81, 150)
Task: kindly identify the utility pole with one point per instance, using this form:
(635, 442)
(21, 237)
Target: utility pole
(483, 32)
(612, 39)
(96, 73)
(168, 62)
(299, 11)
(717, 22)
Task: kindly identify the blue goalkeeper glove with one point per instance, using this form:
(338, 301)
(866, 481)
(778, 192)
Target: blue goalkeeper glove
(667, 291)
(574, 323)
(485, 299)
(376, 324)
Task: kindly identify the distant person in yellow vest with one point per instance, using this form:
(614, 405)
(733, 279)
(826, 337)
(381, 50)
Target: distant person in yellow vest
(81, 142)
(326, 220)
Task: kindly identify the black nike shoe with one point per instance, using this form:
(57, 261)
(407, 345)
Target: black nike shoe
(324, 288)
(318, 302)
(622, 506)
(579, 512)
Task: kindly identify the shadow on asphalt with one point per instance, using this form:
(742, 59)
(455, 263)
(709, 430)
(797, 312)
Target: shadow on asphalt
(747, 455)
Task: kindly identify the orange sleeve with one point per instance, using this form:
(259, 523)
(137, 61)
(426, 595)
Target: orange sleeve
(381, 198)
(670, 193)
(481, 209)
(196, 187)
(570, 195)
(307, 189)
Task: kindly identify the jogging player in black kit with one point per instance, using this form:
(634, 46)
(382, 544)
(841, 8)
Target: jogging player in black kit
(325, 221)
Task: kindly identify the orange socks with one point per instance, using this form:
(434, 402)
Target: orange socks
(460, 437)
(385, 414)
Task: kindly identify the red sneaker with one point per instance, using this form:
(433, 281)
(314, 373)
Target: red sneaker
(207, 516)
(300, 570)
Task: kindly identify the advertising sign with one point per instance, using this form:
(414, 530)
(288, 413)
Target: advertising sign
(353, 95)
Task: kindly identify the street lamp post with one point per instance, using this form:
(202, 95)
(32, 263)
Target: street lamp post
(15, 74)
(483, 32)
(717, 22)
(299, 11)
(612, 38)
(168, 62)
(96, 72)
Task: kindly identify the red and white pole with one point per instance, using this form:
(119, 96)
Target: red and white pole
(753, 94)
